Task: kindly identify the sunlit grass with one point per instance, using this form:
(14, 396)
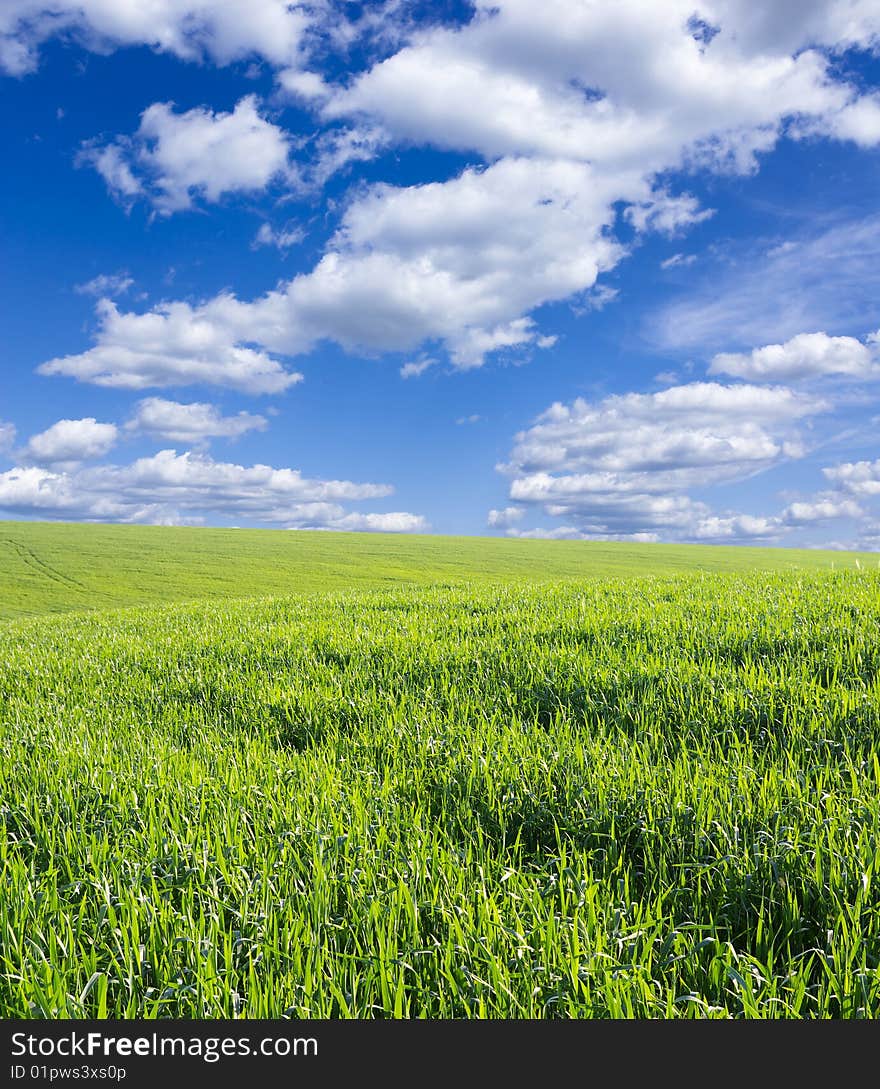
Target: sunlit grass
(56, 567)
(643, 797)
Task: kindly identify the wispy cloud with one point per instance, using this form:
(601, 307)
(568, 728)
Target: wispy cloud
(769, 293)
(106, 285)
(678, 260)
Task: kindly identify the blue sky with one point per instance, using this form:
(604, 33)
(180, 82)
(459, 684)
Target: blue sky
(608, 271)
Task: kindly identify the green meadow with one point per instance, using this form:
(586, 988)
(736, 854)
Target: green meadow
(58, 567)
(269, 774)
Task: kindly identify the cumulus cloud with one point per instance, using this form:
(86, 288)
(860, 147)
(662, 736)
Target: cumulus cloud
(699, 432)
(471, 347)
(282, 33)
(190, 487)
(69, 442)
(622, 85)
(737, 527)
(308, 87)
(174, 344)
(188, 29)
(193, 424)
(456, 263)
(807, 355)
(393, 522)
(105, 286)
(625, 464)
(858, 120)
(174, 158)
(575, 115)
(630, 91)
(577, 110)
(500, 519)
(821, 508)
(858, 478)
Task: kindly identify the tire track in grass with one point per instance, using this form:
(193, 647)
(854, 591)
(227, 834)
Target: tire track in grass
(30, 559)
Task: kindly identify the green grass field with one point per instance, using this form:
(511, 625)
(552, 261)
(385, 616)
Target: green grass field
(58, 567)
(529, 781)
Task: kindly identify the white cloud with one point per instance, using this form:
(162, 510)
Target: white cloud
(190, 487)
(471, 347)
(474, 418)
(189, 29)
(625, 464)
(572, 533)
(307, 87)
(738, 527)
(791, 24)
(282, 239)
(174, 158)
(578, 109)
(858, 121)
(616, 85)
(678, 260)
(456, 262)
(331, 516)
(807, 355)
(193, 424)
(854, 495)
(558, 533)
(596, 298)
(392, 522)
(416, 367)
(600, 507)
(685, 430)
(821, 508)
(173, 345)
(337, 148)
(105, 285)
(69, 442)
(667, 214)
(624, 92)
(7, 435)
(112, 163)
(859, 478)
(279, 32)
(869, 538)
(459, 261)
(506, 517)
